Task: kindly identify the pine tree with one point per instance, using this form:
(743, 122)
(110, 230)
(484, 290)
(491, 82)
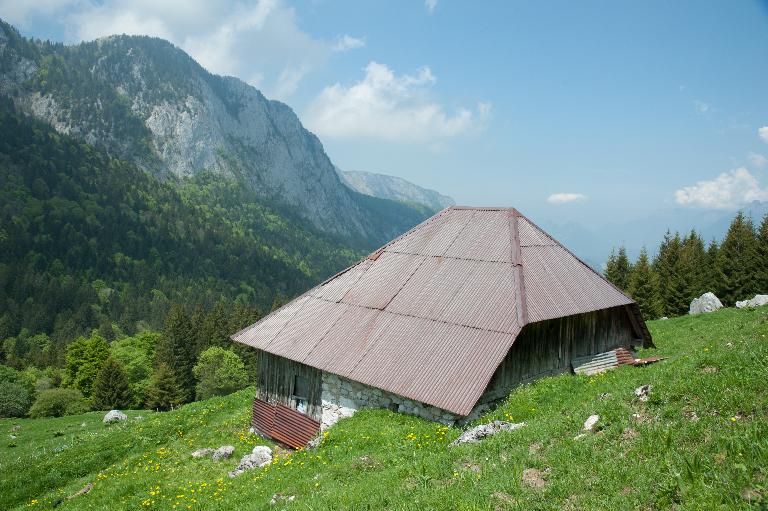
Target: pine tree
(672, 281)
(176, 349)
(738, 262)
(711, 268)
(618, 269)
(644, 287)
(164, 392)
(111, 389)
(693, 259)
(762, 257)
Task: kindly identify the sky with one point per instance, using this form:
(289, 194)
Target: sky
(590, 112)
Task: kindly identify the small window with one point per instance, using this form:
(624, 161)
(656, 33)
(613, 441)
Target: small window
(300, 393)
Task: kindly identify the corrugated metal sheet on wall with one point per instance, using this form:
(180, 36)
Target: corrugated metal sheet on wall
(432, 314)
(284, 424)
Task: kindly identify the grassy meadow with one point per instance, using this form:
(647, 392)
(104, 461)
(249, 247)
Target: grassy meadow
(699, 442)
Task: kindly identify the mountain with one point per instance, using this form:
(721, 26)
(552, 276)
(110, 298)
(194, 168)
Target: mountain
(88, 240)
(394, 188)
(147, 102)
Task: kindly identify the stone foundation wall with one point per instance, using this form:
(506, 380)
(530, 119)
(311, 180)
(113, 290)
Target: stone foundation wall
(342, 398)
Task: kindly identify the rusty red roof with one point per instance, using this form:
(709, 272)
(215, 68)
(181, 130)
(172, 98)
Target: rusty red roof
(430, 315)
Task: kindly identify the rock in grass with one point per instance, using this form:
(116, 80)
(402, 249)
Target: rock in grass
(757, 301)
(260, 457)
(114, 416)
(643, 392)
(707, 302)
(589, 424)
(203, 453)
(223, 452)
(479, 432)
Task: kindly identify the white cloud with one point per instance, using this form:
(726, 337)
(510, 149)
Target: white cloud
(729, 190)
(347, 42)
(564, 197)
(430, 5)
(385, 106)
(258, 40)
(763, 132)
(701, 106)
(757, 160)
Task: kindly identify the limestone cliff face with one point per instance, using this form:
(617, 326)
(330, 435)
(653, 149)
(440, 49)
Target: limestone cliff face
(145, 100)
(394, 188)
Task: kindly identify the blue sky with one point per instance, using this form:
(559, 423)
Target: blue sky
(589, 112)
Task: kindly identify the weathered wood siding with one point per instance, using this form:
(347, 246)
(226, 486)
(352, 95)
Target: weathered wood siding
(276, 378)
(547, 347)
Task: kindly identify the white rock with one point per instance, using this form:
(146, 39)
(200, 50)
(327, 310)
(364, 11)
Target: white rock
(260, 457)
(642, 392)
(223, 452)
(589, 424)
(477, 433)
(202, 453)
(114, 416)
(757, 301)
(707, 302)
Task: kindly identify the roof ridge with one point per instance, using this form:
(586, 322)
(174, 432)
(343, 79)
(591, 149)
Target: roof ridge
(516, 257)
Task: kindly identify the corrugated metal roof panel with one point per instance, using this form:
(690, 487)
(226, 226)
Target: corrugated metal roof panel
(485, 238)
(348, 340)
(435, 236)
(335, 289)
(381, 282)
(530, 235)
(450, 369)
(300, 335)
(260, 334)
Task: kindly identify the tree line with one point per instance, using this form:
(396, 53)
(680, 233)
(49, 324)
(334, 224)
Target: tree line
(684, 268)
(193, 358)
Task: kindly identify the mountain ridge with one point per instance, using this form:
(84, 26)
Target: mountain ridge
(393, 188)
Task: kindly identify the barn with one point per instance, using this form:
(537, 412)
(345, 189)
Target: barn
(440, 323)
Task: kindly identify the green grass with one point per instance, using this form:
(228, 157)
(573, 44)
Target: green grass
(717, 371)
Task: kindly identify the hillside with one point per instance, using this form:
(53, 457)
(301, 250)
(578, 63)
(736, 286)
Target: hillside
(147, 102)
(87, 240)
(394, 188)
(699, 442)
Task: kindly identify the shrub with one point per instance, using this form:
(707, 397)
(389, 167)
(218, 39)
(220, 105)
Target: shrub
(219, 372)
(14, 399)
(58, 402)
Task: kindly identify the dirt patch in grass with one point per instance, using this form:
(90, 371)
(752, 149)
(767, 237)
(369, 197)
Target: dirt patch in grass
(534, 478)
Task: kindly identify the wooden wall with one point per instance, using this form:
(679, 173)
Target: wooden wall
(275, 380)
(546, 348)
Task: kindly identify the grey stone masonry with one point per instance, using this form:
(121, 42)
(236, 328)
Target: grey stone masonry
(342, 398)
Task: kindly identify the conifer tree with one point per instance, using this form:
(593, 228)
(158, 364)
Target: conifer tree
(111, 389)
(618, 268)
(693, 258)
(762, 257)
(672, 282)
(644, 287)
(737, 260)
(164, 392)
(176, 349)
(712, 270)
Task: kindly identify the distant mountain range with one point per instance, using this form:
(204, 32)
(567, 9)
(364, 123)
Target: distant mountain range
(147, 102)
(393, 188)
(594, 244)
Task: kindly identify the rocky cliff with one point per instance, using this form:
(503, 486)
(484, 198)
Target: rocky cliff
(394, 188)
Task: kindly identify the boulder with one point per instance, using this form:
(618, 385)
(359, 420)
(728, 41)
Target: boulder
(114, 416)
(757, 301)
(260, 457)
(203, 453)
(707, 302)
(479, 432)
(589, 424)
(223, 452)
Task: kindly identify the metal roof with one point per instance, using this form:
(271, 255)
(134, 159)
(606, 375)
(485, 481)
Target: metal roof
(430, 315)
